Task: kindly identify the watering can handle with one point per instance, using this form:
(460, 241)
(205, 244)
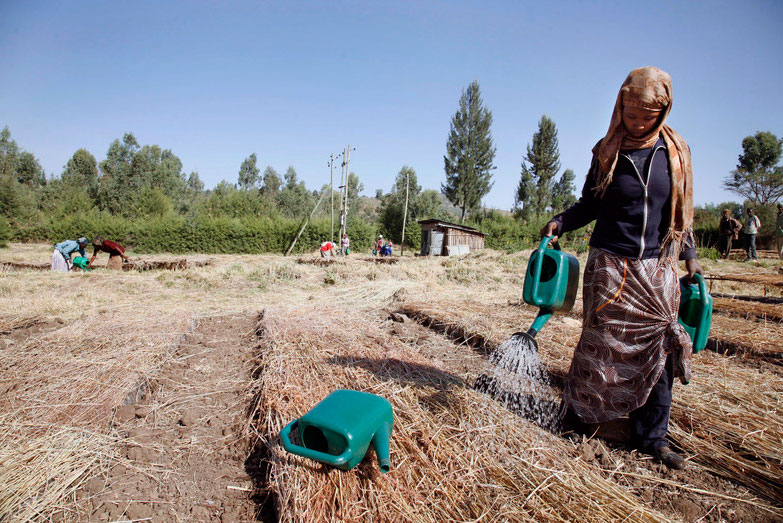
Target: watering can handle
(702, 288)
(329, 459)
(536, 272)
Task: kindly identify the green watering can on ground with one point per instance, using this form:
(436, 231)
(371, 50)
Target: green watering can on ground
(339, 430)
(696, 311)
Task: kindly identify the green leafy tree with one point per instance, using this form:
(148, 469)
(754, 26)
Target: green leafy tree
(563, 191)
(17, 198)
(294, 200)
(130, 168)
(429, 205)
(758, 177)
(82, 171)
(195, 185)
(272, 182)
(470, 154)
(117, 182)
(248, 173)
(9, 153)
(29, 171)
(392, 206)
(535, 189)
(355, 187)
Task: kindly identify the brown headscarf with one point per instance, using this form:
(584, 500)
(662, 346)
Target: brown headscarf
(650, 88)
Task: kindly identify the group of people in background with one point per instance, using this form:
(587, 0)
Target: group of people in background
(730, 227)
(63, 258)
(382, 247)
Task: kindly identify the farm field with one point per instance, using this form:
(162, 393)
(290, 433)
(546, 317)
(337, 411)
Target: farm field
(157, 394)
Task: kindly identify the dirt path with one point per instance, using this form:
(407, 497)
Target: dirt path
(185, 446)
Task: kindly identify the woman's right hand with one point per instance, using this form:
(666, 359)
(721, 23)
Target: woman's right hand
(549, 230)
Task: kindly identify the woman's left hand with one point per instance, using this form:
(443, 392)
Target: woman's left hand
(693, 266)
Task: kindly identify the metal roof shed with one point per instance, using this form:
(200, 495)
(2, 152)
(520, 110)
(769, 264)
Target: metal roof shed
(439, 238)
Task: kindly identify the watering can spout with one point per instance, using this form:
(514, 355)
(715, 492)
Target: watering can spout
(380, 443)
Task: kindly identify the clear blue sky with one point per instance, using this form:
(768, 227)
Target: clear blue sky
(296, 81)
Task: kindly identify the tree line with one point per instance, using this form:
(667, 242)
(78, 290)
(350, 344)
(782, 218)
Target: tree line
(137, 186)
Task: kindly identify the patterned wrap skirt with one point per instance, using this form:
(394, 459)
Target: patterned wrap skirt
(629, 328)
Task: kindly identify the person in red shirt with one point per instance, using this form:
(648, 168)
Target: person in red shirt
(327, 249)
(108, 246)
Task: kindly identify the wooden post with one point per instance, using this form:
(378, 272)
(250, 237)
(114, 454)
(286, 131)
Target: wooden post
(404, 215)
(305, 224)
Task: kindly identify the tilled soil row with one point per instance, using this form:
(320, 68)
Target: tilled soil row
(185, 440)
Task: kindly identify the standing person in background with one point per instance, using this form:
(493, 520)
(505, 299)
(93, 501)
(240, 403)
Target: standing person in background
(378, 245)
(61, 257)
(639, 192)
(752, 224)
(779, 231)
(115, 250)
(346, 244)
(729, 230)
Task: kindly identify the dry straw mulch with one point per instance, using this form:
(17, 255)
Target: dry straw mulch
(178, 264)
(456, 455)
(763, 278)
(9, 324)
(728, 417)
(755, 338)
(22, 266)
(749, 310)
(58, 392)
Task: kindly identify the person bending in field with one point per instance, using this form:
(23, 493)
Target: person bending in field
(114, 249)
(639, 191)
(327, 249)
(61, 257)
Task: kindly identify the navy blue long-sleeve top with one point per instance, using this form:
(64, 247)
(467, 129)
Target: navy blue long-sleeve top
(632, 217)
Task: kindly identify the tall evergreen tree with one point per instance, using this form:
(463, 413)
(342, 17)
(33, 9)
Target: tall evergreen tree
(534, 192)
(248, 173)
(469, 152)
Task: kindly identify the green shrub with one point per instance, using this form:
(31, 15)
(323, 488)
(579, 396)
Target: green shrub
(5, 232)
(708, 253)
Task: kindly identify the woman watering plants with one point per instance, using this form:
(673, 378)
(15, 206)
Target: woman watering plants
(639, 192)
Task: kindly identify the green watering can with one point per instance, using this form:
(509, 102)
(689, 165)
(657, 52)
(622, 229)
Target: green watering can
(81, 262)
(339, 429)
(695, 311)
(551, 282)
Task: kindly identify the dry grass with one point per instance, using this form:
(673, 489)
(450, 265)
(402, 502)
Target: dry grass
(59, 388)
(729, 417)
(57, 396)
(758, 278)
(760, 338)
(456, 455)
(748, 309)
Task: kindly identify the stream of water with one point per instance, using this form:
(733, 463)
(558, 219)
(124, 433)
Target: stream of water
(516, 378)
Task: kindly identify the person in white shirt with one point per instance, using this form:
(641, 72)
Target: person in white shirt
(751, 229)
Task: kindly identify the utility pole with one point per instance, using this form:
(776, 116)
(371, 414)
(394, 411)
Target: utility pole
(404, 215)
(331, 191)
(347, 173)
(343, 183)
